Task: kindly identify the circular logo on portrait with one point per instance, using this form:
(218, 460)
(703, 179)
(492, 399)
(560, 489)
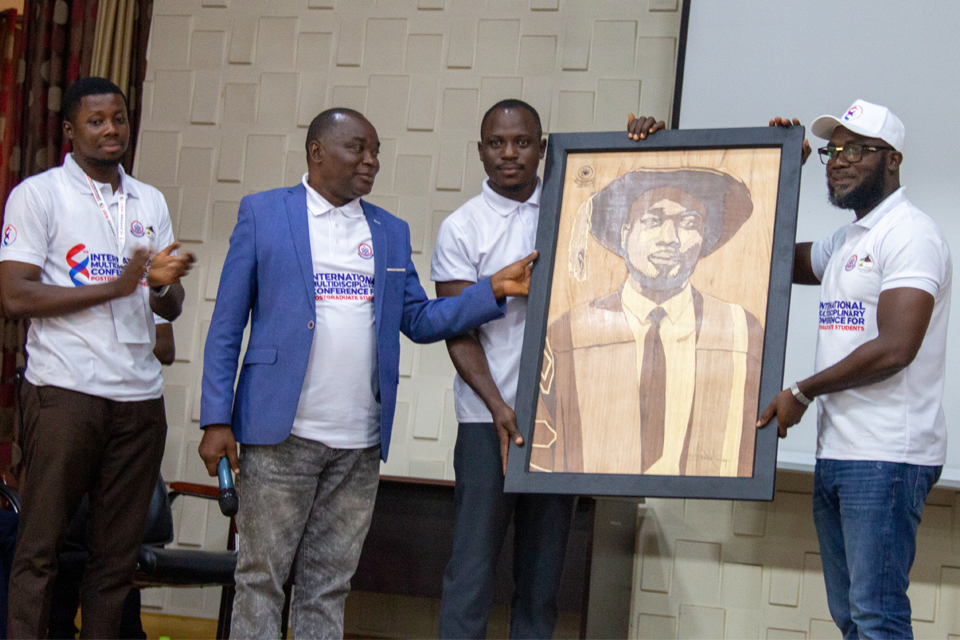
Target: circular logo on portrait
(365, 251)
(585, 176)
(9, 235)
(136, 228)
(851, 263)
(855, 112)
(865, 265)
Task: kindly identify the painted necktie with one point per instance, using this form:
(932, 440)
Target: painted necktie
(653, 392)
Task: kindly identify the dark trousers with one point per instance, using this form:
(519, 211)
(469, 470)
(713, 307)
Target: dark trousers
(75, 443)
(483, 511)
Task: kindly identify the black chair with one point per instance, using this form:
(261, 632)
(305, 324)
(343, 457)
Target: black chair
(158, 566)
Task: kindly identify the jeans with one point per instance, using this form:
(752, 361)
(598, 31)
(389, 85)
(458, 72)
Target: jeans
(541, 525)
(307, 507)
(867, 514)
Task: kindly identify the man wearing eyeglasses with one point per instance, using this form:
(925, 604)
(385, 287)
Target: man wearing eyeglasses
(885, 284)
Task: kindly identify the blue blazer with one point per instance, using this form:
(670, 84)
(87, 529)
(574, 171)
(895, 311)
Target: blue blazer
(267, 279)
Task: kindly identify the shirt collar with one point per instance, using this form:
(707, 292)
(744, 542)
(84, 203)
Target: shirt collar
(79, 178)
(677, 307)
(870, 220)
(506, 206)
(318, 205)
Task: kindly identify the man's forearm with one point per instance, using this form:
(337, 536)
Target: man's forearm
(470, 361)
(28, 299)
(170, 304)
(869, 363)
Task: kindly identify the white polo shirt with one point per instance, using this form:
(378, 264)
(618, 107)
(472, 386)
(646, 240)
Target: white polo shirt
(338, 401)
(53, 221)
(899, 419)
(474, 242)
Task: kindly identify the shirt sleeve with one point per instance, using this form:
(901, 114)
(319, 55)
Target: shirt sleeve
(822, 249)
(913, 254)
(164, 227)
(25, 237)
(452, 257)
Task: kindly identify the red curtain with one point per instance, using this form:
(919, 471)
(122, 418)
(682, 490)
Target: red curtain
(12, 334)
(59, 49)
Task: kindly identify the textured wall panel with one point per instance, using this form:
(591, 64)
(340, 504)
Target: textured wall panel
(240, 103)
(172, 97)
(498, 43)
(264, 162)
(281, 109)
(206, 50)
(700, 622)
(384, 44)
(276, 43)
(170, 41)
(423, 53)
(614, 43)
(460, 109)
(387, 98)
(205, 106)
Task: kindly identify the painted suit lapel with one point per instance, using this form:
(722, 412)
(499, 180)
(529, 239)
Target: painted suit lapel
(296, 201)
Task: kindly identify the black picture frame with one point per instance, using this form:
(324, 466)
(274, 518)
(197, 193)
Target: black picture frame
(519, 477)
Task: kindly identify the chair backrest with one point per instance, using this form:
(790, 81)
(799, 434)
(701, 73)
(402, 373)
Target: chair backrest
(159, 529)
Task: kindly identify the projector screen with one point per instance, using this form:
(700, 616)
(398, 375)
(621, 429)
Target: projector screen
(751, 60)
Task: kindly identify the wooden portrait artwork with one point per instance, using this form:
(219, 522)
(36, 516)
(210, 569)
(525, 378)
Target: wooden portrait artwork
(657, 322)
(662, 267)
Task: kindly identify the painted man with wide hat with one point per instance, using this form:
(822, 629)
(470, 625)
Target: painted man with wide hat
(698, 356)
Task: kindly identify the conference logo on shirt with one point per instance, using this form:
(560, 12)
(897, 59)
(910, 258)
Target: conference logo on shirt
(93, 267)
(343, 286)
(842, 315)
(136, 228)
(365, 251)
(851, 263)
(9, 235)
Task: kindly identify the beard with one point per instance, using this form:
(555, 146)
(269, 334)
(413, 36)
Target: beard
(865, 196)
(664, 280)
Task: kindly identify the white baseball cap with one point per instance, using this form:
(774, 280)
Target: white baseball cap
(867, 119)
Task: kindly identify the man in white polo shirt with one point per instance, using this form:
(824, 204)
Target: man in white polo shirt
(74, 259)
(487, 233)
(884, 305)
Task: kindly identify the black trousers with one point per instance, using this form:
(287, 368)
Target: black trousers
(76, 443)
(483, 512)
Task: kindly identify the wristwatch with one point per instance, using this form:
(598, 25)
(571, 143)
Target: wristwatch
(802, 399)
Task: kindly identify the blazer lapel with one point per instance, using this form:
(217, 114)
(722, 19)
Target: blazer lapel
(296, 201)
(379, 236)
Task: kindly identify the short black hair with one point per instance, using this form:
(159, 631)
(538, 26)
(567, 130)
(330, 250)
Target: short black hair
(513, 103)
(86, 87)
(325, 121)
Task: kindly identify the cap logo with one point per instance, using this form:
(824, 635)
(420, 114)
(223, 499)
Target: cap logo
(853, 113)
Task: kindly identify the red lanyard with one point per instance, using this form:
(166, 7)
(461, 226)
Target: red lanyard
(120, 232)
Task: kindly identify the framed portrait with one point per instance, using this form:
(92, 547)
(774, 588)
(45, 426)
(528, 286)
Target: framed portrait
(657, 317)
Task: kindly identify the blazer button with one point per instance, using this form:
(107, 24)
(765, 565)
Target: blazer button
(310, 325)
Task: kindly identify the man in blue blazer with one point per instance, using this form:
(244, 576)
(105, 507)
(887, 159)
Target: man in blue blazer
(327, 284)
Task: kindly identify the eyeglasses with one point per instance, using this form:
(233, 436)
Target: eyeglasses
(851, 153)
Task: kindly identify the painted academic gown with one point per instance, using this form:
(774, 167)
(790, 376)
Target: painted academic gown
(588, 413)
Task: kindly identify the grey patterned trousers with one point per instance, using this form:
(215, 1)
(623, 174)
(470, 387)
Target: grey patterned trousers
(306, 507)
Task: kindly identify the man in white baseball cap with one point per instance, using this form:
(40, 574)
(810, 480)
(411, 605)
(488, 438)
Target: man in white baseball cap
(884, 304)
